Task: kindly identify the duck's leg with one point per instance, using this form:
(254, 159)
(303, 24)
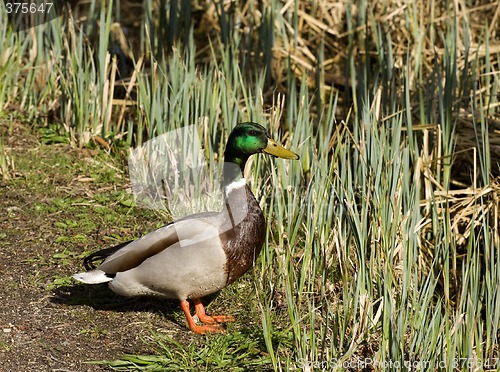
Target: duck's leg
(205, 328)
(200, 311)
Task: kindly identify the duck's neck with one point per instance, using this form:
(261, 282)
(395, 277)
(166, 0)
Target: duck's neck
(234, 167)
(232, 178)
(235, 197)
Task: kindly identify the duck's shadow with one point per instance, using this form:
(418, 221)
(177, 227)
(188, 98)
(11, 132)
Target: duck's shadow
(100, 297)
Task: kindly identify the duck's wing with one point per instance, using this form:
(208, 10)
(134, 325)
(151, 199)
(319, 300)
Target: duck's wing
(189, 230)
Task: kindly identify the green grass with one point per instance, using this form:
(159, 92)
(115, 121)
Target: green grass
(236, 351)
(370, 251)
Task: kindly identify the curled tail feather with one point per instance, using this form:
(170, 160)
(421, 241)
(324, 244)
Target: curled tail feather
(90, 261)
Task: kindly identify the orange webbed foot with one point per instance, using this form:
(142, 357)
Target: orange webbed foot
(210, 319)
(210, 325)
(207, 328)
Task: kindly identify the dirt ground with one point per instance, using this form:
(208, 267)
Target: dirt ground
(48, 322)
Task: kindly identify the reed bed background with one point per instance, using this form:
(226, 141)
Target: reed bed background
(382, 246)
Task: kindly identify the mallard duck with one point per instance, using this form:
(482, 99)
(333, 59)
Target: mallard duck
(200, 254)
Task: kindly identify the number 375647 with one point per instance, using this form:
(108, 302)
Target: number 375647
(25, 8)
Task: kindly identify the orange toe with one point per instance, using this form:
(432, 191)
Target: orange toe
(209, 327)
(219, 318)
(200, 312)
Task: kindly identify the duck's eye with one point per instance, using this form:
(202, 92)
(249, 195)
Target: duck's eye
(253, 133)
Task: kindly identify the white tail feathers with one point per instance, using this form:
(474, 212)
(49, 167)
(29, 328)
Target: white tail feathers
(93, 277)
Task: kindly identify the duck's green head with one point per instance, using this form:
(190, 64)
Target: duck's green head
(247, 139)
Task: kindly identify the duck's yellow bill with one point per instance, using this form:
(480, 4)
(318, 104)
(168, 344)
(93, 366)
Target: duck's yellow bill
(275, 149)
